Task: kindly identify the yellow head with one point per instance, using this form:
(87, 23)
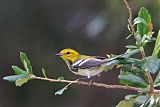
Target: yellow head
(69, 54)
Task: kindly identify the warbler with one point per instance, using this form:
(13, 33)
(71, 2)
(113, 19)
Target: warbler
(86, 65)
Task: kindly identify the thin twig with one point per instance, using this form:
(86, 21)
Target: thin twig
(91, 84)
(130, 16)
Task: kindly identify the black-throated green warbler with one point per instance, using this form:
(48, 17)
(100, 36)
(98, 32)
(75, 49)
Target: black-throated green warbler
(85, 65)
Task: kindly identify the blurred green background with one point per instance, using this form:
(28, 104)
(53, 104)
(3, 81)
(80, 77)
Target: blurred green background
(41, 28)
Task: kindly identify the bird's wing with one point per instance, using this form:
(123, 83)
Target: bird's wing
(87, 63)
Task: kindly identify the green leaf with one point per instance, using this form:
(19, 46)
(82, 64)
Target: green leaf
(61, 91)
(132, 80)
(151, 64)
(131, 69)
(140, 20)
(26, 67)
(141, 99)
(145, 19)
(60, 78)
(157, 100)
(128, 97)
(21, 81)
(26, 62)
(143, 90)
(146, 39)
(129, 36)
(126, 103)
(147, 101)
(13, 78)
(138, 37)
(150, 102)
(131, 47)
(157, 85)
(18, 70)
(156, 52)
(129, 53)
(44, 72)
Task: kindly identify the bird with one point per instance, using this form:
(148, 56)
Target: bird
(86, 65)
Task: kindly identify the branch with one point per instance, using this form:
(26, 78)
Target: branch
(90, 84)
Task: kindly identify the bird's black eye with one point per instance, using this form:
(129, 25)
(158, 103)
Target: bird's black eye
(68, 53)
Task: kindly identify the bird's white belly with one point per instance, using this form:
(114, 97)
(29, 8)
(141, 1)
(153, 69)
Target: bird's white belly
(89, 72)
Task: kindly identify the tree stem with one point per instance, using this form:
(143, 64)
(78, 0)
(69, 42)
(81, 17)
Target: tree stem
(151, 84)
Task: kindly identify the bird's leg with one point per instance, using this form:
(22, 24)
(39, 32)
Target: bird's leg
(93, 78)
(86, 78)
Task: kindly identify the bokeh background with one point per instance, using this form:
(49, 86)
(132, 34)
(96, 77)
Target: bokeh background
(41, 28)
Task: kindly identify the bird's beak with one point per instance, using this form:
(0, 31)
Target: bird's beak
(59, 54)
